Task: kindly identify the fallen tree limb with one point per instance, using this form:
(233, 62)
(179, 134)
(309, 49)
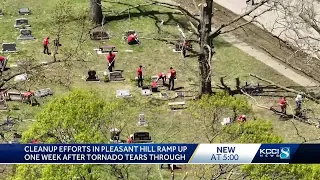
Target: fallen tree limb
(287, 89)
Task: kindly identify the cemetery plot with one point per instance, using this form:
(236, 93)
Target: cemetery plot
(26, 34)
(22, 23)
(24, 11)
(9, 48)
(123, 93)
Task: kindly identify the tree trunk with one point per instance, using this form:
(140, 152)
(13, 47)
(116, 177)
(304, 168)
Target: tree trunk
(205, 53)
(96, 11)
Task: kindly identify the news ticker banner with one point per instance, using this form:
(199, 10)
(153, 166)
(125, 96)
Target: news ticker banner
(159, 153)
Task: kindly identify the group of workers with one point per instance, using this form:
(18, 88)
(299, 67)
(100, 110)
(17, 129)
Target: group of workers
(111, 57)
(283, 104)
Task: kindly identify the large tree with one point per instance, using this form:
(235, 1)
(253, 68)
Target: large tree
(96, 15)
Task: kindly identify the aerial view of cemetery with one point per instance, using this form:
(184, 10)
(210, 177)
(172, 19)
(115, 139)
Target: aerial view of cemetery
(159, 71)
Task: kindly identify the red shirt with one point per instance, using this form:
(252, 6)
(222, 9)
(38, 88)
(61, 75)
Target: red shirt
(139, 71)
(27, 94)
(162, 75)
(154, 84)
(131, 37)
(241, 118)
(283, 102)
(46, 41)
(111, 58)
(2, 58)
(172, 73)
(129, 140)
(34, 141)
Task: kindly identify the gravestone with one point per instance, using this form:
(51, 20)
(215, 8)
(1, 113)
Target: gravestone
(22, 22)
(25, 34)
(92, 76)
(141, 137)
(142, 121)
(145, 92)
(43, 92)
(226, 121)
(116, 76)
(24, 11)
(9, 48)
(180, 94)
(154, 78)
(123, 93)
(98, 33)
(164, 95)
(3, 64)
(15, 95)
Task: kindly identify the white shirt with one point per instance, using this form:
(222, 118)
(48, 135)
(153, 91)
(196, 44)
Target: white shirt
(299, 98)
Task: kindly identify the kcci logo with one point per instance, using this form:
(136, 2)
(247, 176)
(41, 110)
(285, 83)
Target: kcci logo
(282, 153)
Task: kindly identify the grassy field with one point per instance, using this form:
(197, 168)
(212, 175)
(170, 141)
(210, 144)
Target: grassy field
(154, 56)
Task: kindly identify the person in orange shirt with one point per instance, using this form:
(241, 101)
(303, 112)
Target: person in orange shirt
(46, 46)
(283, 105)
(140, 78)
(132, 39)
(172, 78)
(111, 57)
(163, 77)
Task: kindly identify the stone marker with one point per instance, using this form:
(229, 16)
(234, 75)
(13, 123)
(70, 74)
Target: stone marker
(115, 135)
(180, 94)
(226, 121)
(141, 137)
(22, 22)
(123, 93)
(21, 77)
(43, 92)
(98, 33)
(142, 121)
(164, 95)
(26, 34)
(146, 92)
(116, 76)
(24, 11)
(9, 48)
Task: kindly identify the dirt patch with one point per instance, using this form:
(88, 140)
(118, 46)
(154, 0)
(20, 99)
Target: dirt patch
(265, 41)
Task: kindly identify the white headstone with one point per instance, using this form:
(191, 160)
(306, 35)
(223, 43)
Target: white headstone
(123, 93)
(142, 121)
(146, 92)
(226, 121)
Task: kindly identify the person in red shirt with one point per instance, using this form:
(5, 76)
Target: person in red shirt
(111, 57)
(172, 78)
(29, 97)
(140, 78)
(242, 118)
(130, 138)
(283, 105)
(132, 39)
(163, 77)
(3, 62)
(34, 141)
(45, 46)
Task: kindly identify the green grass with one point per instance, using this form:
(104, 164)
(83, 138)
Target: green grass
(154, 56)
